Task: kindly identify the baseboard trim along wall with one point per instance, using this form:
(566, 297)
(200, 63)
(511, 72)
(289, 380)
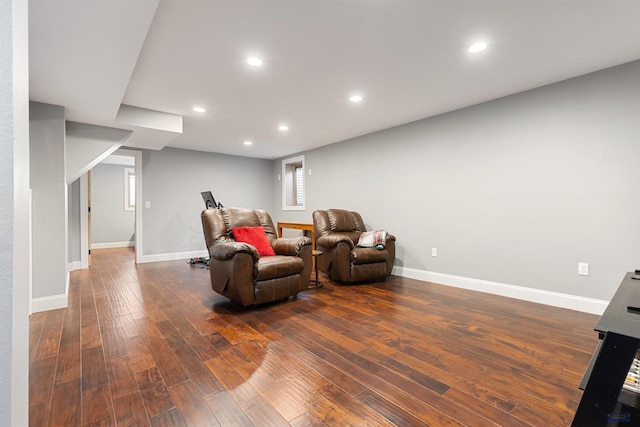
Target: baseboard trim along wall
(173, 256)
(556, 299)
(53, 302)
(109, 245)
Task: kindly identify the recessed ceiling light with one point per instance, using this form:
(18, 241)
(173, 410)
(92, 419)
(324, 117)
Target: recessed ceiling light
(199, 109)
(255, 62)
(248, 143)
(477, 47)
(283, 128)
(355, 98)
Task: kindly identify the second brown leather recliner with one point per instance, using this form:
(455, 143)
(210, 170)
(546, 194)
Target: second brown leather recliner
(337, 233)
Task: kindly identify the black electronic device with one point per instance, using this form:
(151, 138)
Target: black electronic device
(210, 201)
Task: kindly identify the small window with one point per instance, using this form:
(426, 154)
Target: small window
(293, 183)
(299, 186)
(129, 189)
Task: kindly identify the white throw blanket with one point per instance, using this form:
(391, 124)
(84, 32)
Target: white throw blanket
(373, 239)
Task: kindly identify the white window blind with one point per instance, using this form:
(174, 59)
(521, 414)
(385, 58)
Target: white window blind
(299, 186)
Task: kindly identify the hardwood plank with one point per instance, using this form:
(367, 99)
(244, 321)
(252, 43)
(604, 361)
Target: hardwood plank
(36, 326)
(39, 414)
(49, 342)
(227, 410)
(94, 369)
(129, 411)
(264, 414)
(127, 326)
(534, 418)
(307, 420)
(91, 337)
(488, 411)
(113, 343)
(192, 406)
(391, 412)
(320, 404)
(65, 404)
(197, 371)
(70, 327)
(244, 393)
(171, 418)
(97, 407)
(138, 354)
(154, 392)
(121, 378)
(41, 376)
(166, 362)
(170, 334)
(68, 363)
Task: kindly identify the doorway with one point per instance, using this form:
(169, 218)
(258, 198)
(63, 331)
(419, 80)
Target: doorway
(134, 176)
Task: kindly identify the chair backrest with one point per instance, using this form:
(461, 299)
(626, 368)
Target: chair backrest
(217, 223)
(338, 221)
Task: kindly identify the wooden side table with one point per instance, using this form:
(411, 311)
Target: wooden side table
(315, 254)
(299, 226)
(305, 227)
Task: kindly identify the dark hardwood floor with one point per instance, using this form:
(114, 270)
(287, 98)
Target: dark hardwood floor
(152, 344)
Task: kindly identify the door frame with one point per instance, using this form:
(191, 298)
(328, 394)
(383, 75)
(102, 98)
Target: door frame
(85, 244)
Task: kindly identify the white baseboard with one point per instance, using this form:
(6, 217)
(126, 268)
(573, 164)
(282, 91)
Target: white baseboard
(172, 256)
(556, 299)
(110, 245)
(75, 265)
(53, 302)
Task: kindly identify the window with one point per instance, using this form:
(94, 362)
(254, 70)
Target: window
(293, 194)
(129, 189)
(299, 186)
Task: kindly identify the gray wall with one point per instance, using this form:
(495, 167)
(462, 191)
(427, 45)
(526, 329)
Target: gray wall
(14, 213)
(73, 194)
(172, 180)
(516, 191)
(110, 223)
(49, 192)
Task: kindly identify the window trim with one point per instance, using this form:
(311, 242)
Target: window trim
(293, 189)
(129, 188)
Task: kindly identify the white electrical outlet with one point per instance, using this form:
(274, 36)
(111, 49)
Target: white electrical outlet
(583, 269)
(434, 251)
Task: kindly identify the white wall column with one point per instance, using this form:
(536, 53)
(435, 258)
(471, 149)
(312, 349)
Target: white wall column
(14, 213)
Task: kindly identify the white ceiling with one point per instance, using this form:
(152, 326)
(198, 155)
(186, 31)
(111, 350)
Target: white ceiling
(408, 59)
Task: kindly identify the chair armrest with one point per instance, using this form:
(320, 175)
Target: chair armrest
(225, 250)
(330, 241)
(290, 245)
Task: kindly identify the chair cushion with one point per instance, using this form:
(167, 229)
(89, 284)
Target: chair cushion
(277, 266)
(368, 255)
(240, 217)
(255, 236)
(341, 220)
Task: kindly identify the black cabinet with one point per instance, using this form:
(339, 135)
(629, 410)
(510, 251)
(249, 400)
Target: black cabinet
(605, 402)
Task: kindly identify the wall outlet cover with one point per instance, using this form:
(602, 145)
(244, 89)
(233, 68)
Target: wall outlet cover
(583, 269)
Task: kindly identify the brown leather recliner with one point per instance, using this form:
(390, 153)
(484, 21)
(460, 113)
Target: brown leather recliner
(337, 233)
(237, 269)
